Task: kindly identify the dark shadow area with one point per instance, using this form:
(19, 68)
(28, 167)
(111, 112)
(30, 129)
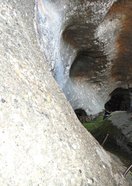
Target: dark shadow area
(90, 59)
(87, 64)
(111, 138)
(79, 35)
(82, 115)
(120, 100)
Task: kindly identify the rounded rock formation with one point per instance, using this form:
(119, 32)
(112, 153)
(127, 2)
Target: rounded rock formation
(88, 45)
(41, 140)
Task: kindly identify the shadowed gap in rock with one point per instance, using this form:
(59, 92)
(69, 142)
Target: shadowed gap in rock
(120, 100)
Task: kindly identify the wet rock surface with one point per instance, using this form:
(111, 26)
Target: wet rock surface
(41, 140)
(88, 45)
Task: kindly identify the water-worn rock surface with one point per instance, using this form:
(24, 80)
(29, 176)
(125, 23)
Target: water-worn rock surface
(41, 141)
(88, 44)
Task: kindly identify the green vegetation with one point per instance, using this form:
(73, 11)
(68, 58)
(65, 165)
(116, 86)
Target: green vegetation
(94, 124)
(99, 128)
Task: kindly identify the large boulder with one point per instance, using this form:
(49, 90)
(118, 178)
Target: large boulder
(41, 141)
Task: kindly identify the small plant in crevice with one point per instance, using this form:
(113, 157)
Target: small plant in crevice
(109, 135)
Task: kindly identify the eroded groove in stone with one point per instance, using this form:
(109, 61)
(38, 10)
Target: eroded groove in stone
(89, 65)
(85, 40)
(120, 100)
(41, 140)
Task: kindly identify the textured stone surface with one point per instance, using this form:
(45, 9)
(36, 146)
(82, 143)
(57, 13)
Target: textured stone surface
(88, 44)
(123, 122)
(41, 141)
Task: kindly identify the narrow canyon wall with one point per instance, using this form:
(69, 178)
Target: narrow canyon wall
(41, 141)
(88, 45)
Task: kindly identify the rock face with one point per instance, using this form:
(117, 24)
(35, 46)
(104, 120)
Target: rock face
(88, 44)
(123, 122)
(41, 140)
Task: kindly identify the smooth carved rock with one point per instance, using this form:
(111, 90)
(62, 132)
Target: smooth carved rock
(88, 44)
(41, 140)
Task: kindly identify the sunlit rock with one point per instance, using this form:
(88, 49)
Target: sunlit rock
(41, 140)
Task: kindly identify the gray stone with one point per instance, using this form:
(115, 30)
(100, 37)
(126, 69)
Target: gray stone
(83, 42)
(122, 121)
(41, 140)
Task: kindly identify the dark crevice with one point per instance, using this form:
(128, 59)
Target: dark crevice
(88, 64)
(120, 100)
(82, 115)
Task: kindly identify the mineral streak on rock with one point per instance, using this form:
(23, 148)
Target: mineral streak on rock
(122, 66)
